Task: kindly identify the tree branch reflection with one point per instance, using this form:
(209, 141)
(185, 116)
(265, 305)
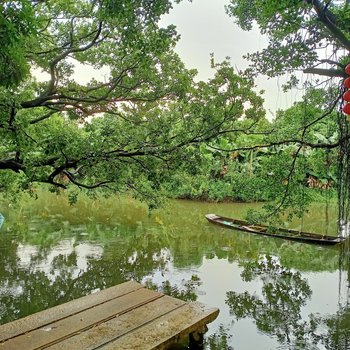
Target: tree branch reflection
(277, 309)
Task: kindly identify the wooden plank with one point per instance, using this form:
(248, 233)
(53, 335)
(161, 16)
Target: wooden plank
(81, 321)
(42, 318)
(127, 316)
(115, 328)
(166, 330)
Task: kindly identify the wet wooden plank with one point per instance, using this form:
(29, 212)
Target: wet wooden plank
(127, 316)
(118, 327)
(81, 321)
(43, 318)
(166, 330)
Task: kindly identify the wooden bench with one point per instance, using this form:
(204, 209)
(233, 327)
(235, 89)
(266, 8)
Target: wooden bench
(127, 316)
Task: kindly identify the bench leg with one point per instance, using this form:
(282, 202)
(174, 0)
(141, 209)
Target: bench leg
(196, 339)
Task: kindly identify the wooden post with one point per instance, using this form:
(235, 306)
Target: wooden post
(196, 339)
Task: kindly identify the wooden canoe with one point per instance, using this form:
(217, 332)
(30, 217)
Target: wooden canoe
(284, 233)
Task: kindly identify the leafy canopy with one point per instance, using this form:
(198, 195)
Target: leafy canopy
(124, 131)
(308, 35)
(311, 36)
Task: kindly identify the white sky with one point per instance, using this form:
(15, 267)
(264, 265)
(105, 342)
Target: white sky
(205, 28)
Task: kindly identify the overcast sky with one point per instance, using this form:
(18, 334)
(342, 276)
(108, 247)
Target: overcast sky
(205, 28)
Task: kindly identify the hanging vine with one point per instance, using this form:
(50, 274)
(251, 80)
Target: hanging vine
(344, 161)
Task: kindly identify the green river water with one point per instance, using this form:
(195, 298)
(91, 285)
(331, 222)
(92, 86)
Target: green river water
(272, 294)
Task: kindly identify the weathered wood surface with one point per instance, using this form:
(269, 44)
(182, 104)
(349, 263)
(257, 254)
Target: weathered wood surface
(127, 316)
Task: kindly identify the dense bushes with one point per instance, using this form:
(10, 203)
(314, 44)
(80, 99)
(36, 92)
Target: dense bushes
(231, 187)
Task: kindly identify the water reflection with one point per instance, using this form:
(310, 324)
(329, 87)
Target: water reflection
(277, 312)
(268, 290)
(50, 265)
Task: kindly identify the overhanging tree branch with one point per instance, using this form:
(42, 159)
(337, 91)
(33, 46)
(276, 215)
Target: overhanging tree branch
(79, 184)
(11, 164)
(333, 73)
(326, 16)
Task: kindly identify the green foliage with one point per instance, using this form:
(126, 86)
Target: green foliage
(313, 37)
(285, 163)
(127, 131)
(298, 33)
(17, 23)
(147, 127)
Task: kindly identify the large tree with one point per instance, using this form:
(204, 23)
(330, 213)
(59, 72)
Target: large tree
(118, 132)
(309, 36)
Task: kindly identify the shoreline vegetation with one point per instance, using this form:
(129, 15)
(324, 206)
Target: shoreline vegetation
(255, 211)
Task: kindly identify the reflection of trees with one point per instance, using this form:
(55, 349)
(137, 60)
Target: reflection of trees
(133, 245)
(187, 292)
(195, 238)
(25, 289)
(219, 340)
(277, 311)
(187, 234)
(127, 253)
(338, 336)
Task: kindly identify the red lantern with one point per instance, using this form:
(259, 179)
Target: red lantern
(346, 82)
(347, 69)
(346, 96)
(346, 109)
